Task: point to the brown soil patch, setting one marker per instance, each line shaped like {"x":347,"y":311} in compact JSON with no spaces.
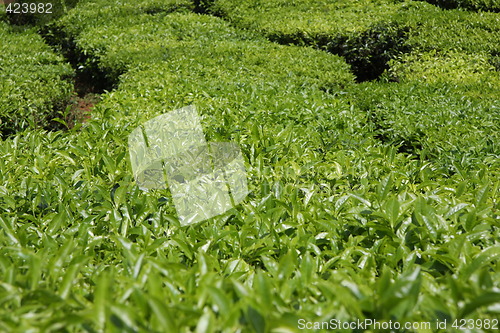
{"x":80,"y":109}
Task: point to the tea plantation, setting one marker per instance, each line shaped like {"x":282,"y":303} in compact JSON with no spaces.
{"x":370,"y":132}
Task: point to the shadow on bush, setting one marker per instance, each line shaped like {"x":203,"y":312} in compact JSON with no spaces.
{"x":89,"y":77}
{"x":474,"y":5}
{"x":369,"y":53}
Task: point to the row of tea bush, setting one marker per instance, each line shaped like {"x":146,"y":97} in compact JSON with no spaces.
{"x":35,"y":82}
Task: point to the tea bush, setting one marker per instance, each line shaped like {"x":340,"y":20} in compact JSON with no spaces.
{"x":318,"y":23}
{"x":433,"y":28}
{"x":125,"y":42}
{"x":359,"y":31}
{"x":34,"y":81}
{"x":85,"y":249}
{"x":95,"y":13}
{"x":445,"y":107}
{"x":369,"y":33}
{"x":307,"y":22}
{"x":338,"y":223}
{"x":474,"y":72}
{"x":62,"y":34}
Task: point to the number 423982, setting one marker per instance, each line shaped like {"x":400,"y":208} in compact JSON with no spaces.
{"x":471,"y":324}
{"x":32,"y":8}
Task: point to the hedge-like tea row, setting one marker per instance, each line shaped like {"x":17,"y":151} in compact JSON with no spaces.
{"x":477,"y":5}
{"x":445,"y":108}
{"x":367,"y":33}
{"x":320,"y":24}
{"x":116,"y":39}
{"x":302,"y":21}
{"x":433,"y":28}
{"x":360,"y":31}
{"x":98,"y":13}
{"x":457,"y":68}
{"x":34,"y":81}
{"x":436,"y":122}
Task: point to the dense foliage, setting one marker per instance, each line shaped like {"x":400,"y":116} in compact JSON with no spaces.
{"x":376,"y":200}
{"x":367,"y":33}
{"x":483,"y":5}
{"x":33,"y":81}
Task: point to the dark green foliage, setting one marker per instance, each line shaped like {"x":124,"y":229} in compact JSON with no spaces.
{"x":204,"y":7}
{"x":495,"y":61}
{"x":477,"y":5}
{"x":369,"y":53}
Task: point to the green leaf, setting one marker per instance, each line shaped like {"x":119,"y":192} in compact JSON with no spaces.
{"x":384,"y":187}
{"x":220,"y":299}
{"x":392,"y":211}
{"x":307,"y":268}
{"x":482,"y":195}
{"x":455,"y":209}
{"x":286,"y":266}
{"x":263,"y":288}
{"x":363,"y":200}
{"x":480,"y":260}
{"x":205,"y":323}
{"x":101,"y":298}
{"x":257,"y":320}
{"x":68,"y":280}
{"x":8,"y":230}
{"x":163,"y":315}
{"x":483,"y":300}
